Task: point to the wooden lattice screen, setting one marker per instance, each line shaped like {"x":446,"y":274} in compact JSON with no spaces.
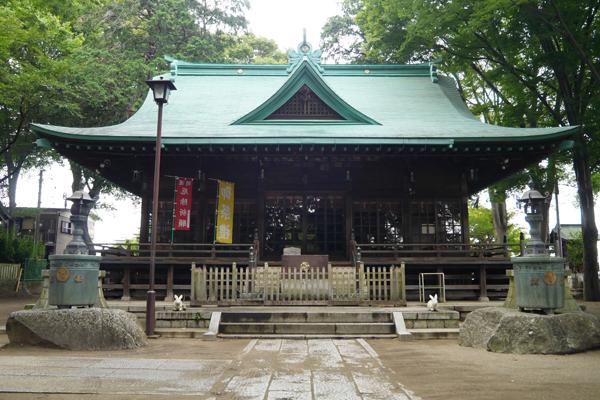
{"x":305,"y":104}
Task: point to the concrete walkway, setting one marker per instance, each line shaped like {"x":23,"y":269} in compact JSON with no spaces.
{"x":264,"y":369}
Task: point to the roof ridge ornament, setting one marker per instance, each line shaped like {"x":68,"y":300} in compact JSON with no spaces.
{"x":305,"y":51}
{"x":433,"y":69}
{"x":173,"y":67}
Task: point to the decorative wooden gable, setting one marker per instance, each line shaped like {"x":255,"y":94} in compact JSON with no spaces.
{"x":305,"y":97}
{"x":305,"y":104}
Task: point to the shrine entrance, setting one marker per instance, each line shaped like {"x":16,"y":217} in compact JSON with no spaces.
{"x":312,"y":222}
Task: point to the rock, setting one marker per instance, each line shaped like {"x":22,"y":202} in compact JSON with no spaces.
{"x":76,"y":329}
{"x":504,"y":330}
{"x":479,"y":326}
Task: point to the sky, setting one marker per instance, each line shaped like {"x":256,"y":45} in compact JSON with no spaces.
{"x":283,"y":21}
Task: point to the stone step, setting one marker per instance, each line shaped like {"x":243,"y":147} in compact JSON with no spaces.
{"x":186,"y":333}
{"x":306,"y":317}
{"x":331,"y":328}
{"x":304,"y":337}
{"x":432,"y":333}
{"x":2,"y":330}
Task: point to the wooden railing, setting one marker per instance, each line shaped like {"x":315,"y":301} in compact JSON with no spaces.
{"x":280,"y":286}
{"x":179,"y":252}
{"x":406,"y":252}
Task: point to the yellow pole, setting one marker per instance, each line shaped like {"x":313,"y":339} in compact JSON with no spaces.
{"x":19,"y":280}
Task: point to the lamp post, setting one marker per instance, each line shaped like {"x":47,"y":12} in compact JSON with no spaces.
{"x":160,"y":89}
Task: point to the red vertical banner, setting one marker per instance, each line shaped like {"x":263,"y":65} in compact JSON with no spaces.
{"x":183,"y":204}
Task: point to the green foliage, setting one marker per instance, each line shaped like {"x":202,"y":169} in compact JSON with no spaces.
{"x":133,"y":243}
{"x":517,"y":63}
{"x":251,"y":49}
{"x":15,"y":249}
{"x":481,"y":226}
{"x":35,"y":50}
{"x":341,"y":37}
{"x":574,"y":254}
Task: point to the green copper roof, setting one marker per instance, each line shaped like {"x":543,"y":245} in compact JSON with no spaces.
{"x":380,"y":104}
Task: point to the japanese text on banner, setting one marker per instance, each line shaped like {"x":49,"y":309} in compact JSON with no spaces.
{"x":224,"y":228}
{"x":183,"y":204}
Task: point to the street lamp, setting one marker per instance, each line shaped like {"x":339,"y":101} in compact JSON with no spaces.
{"x":161,"y":89}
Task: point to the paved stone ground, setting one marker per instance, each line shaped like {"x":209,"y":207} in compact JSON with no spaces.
{"x":279,"y":369}
{"x":264,"y":369}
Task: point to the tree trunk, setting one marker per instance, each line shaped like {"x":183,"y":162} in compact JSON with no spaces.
{"x":500,"y":219}
{"x":12,"y":192}
{"x":588,"y":224}
{"x":545,"y":229}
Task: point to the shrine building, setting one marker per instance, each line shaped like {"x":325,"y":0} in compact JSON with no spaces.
{"x":361,"y":163}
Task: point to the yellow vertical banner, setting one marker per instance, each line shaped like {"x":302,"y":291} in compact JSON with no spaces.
{"x":224,"y":227}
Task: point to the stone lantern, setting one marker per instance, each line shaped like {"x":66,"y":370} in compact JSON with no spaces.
{"x":539,"y":278}
{"x":74,"y":274}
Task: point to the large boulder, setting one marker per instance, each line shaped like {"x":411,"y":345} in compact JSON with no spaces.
{"x":504,"y":330}
{"x":76,"y":329}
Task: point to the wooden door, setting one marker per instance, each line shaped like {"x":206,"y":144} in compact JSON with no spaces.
{"x":313,"y":222}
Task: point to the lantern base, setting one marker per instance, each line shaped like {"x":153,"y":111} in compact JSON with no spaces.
{"x":539,"y":283}
{"x":73,"y":280}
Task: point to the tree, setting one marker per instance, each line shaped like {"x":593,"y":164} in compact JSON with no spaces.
{"x":124,"y":44}
{"x":536,"y":56}
{"x":481,"y":227}
{"x":341,"y":38}
{"x":575,"y":251}
{"x":35,"y":49}
{"x":251,"y":49}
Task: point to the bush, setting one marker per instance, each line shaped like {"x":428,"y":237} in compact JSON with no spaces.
{"x":14,"y":250}
{"x":575,"y":251}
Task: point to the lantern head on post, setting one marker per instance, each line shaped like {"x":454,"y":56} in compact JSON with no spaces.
{"x":161,"y":89}
{"x":533,"y":201}
{"x":82,"y":204}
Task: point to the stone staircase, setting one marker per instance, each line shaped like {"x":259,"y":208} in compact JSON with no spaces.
{"x":405,"y":323}
{"x":306,"y":323}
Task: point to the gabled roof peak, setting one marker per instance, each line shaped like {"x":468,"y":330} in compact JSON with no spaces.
{"x":305,"y":73}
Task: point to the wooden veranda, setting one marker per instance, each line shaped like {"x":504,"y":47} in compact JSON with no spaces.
{"x":228,"y":274}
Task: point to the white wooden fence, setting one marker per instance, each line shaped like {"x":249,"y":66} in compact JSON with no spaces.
{"x":10,"y":274}
{"x":266,"y":285}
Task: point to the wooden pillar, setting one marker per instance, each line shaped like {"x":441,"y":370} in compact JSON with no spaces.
{"x":200,"y":229}
{"x":483,"y":284}
{"x":464,"y":211}
{"x":126,"y":283}
{"x":170,"y":274}
{"x":260,"y":217}
{"x":145,"y":218}
{"x":348,"y":223}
